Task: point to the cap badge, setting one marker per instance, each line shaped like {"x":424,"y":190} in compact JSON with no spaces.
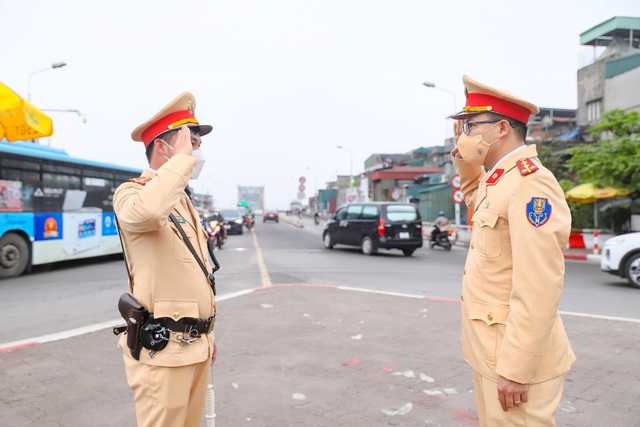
{"x":538,"y":211}
{"x":190,"y":107}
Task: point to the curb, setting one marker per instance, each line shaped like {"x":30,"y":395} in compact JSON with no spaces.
{"x":594,"y":258}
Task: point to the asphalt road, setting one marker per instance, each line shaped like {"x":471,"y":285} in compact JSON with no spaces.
{"x":75,"y":294}
{"x":320,"y":355}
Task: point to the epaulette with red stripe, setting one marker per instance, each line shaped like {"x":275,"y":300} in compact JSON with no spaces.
{"x":142,"y":180}
{"x":526,"y":166}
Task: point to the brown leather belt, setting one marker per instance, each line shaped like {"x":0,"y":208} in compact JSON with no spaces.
{"x":189,"y":325}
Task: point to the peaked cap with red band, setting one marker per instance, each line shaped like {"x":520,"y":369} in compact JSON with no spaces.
{"x":485,"y":99}
{"x":176,"y":113}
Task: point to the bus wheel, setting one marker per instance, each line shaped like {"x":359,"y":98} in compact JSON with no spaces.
{"x":14,"y":255}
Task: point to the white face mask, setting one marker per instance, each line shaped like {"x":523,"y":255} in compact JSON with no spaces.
{"x":200,"y":159}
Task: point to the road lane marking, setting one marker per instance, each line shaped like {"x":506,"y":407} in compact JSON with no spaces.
{"x":264,"y":273}
{"x":29,"y":342}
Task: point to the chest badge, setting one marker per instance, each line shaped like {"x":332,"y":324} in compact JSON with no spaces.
{"x":538,"y":211}
{"x":181,"y":219}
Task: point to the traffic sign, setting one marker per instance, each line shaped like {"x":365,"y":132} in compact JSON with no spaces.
{"x":457,"y":196}
{"x":302,"y":180}
{"x":455,"y":181}
{"x":301,"y":188}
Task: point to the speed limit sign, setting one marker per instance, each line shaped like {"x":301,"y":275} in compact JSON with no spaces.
{"x":457,"y":196}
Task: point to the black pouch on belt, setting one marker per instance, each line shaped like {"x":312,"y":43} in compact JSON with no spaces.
{"x":135,"y":315}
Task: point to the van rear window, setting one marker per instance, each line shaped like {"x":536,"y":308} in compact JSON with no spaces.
{"x":402,"y":213}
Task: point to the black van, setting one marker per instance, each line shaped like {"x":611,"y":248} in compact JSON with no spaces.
{"x":375,"y":225}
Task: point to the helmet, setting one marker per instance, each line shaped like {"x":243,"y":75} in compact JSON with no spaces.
{"x":441,"y":213}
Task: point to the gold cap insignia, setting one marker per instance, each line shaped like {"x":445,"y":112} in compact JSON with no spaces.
{"x":190,"y":107}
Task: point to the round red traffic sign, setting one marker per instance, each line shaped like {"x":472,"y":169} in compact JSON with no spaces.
{"x":457,"y":196}
{"x":301,"y":188}
{"x":455,"y":181}
{"x":302,"y":180}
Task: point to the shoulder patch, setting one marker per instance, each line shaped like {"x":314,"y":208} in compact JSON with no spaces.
{"x":526,"y":166}
{"x":538,"y":211}
{"x":142,"y":180}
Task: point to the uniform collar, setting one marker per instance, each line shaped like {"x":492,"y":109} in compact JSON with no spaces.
{"x":504,"y":158}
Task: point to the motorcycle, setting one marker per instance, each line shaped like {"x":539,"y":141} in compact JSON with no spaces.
{"x":316,"y":218}
{"x":249,"y":222}
{"x":440,"y":238}
{"x":216,"y":232}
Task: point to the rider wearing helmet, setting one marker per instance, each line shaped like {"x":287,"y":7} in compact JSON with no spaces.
{"x":440,"y":222}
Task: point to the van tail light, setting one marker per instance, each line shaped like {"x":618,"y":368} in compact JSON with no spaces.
{"x":381,"y":227}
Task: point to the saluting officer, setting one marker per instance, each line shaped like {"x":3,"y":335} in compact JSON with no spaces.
{"x":170,"y":385}
{"x":512,"y":334}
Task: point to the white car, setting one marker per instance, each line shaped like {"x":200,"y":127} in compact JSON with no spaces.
{"x":621,"y":257}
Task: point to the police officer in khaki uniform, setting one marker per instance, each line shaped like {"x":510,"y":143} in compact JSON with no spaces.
{"x":170,"y":385}
{"x":512,"y":334}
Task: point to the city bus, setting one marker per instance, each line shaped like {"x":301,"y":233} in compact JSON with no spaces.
{"x":54,"y":207}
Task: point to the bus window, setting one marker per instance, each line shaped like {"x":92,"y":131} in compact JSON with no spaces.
{"x":24,"y":183}
{"x":99,"y":193}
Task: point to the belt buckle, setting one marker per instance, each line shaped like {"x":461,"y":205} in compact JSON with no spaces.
{"x":212,"y":322}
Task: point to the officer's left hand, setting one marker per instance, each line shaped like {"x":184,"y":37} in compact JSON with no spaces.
{"x":215,"y":353}
{"x":511,"y":393}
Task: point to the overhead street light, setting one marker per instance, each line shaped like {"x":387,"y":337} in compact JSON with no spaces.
{"x":433,"y":85}
{"x":350,"y":153}
{"x":52,"y":67}
{"x":78,"y":112}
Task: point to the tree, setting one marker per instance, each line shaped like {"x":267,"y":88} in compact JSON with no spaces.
{"x":615,"y":158}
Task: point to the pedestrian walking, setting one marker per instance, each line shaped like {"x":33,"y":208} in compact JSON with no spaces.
{"x":512,"y":334}
{"x":168,"y":278}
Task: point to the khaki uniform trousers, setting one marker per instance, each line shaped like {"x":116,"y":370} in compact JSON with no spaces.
{"x":539,"y":411}
{"x":168,"y":396}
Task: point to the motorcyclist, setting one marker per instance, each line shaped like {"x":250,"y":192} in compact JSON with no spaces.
{"x":316,"y":217}
{"x":440,"y":222}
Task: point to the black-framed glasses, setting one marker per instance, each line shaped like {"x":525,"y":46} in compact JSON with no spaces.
{"x":466,"y":126}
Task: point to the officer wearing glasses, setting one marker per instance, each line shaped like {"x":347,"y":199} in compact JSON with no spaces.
{"x":512,"y":334}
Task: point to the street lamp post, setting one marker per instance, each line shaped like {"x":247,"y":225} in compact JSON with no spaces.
{"x":455,"y":110}
{"x":52,"y":67}
{"x":351,"y":156}
{"x":433,"y":85}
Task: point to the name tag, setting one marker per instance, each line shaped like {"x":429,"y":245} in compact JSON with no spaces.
{"x":181,"y":219}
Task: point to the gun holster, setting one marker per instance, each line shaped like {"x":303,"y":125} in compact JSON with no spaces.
{"x":135,"y":315}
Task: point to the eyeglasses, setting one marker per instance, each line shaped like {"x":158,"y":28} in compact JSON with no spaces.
{"x":466,"y":126}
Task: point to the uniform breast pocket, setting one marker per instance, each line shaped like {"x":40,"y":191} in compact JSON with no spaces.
{"x":180,"y":250}
{"x":487,"y":239}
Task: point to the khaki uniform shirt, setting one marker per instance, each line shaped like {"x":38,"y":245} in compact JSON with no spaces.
{"x":167,"y":279}
{"x":513,"y":275}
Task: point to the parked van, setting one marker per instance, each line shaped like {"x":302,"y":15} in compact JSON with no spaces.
{"x":375,"y":225}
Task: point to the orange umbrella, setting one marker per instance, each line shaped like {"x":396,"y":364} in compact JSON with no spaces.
{"x":20,"y":119}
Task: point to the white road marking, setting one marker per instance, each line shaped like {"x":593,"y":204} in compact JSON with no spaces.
{"x":9,"y":346}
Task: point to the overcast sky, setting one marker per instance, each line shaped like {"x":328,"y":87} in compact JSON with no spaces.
{"x":284,"y":82}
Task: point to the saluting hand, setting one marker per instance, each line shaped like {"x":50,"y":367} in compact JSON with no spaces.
{"x":511,"y":393}
{"x":182,"y":143}
{"x":457,"y":130}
